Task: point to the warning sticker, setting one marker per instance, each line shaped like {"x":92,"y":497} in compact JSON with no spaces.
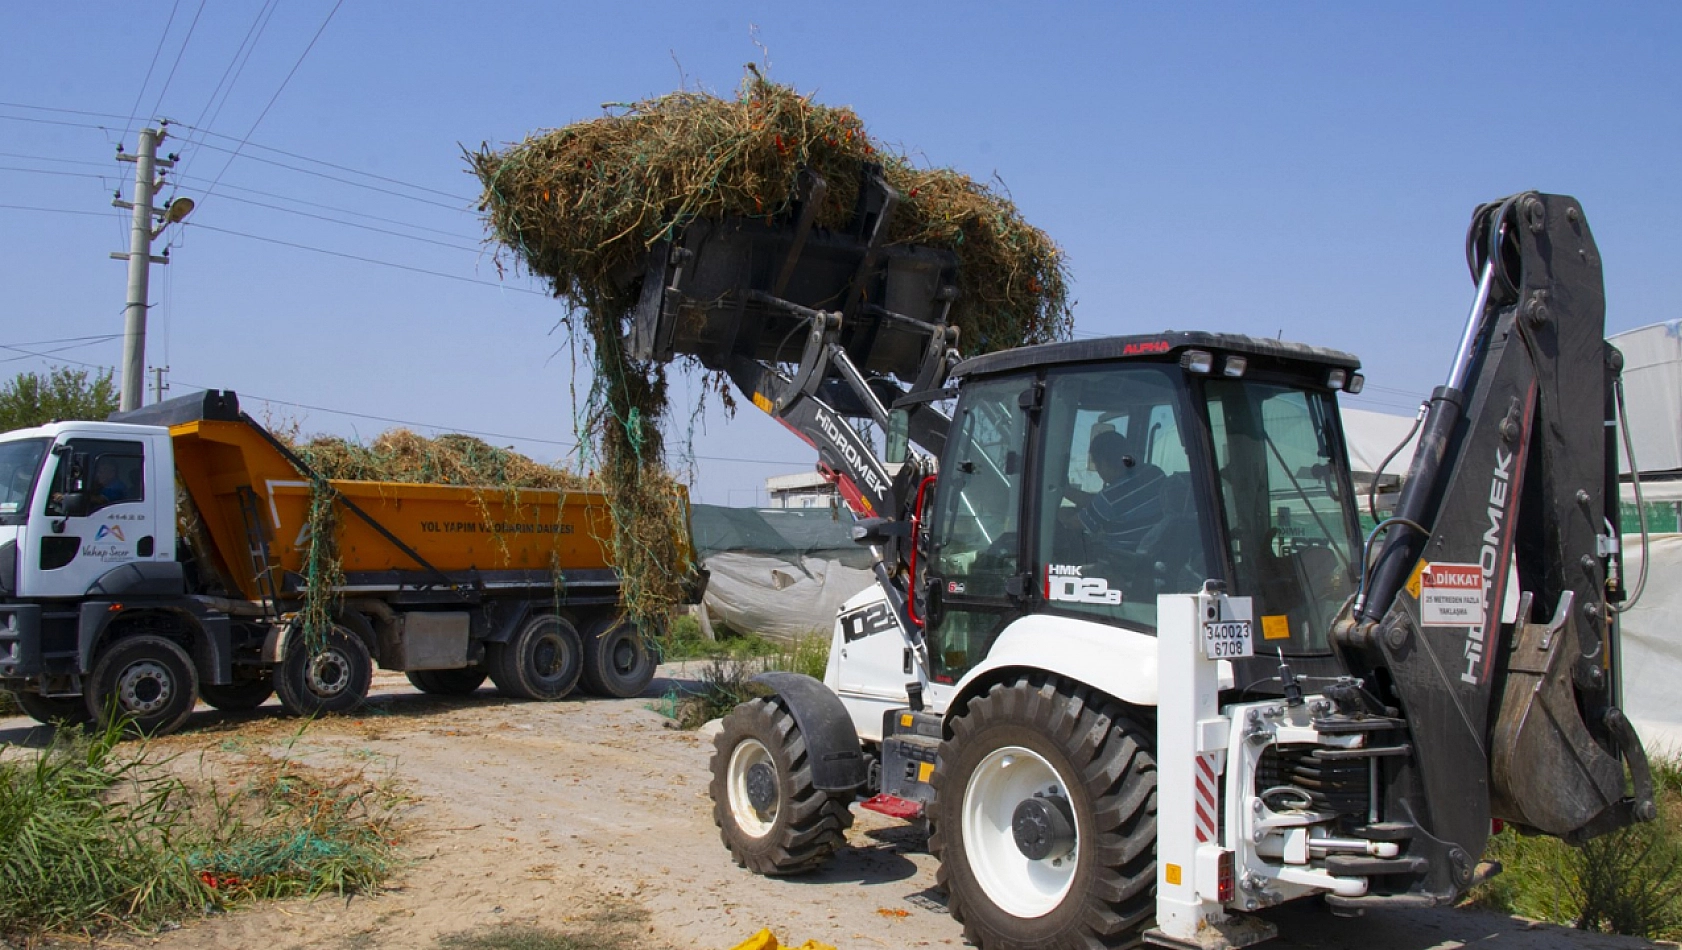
{"x":1451,"y":595}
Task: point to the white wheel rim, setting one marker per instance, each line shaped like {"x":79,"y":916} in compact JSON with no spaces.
{"x":1020,"y":886}
{"x":753,"y":822}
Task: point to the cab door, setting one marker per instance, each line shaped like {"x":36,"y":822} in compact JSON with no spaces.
{"x":99,"y":512}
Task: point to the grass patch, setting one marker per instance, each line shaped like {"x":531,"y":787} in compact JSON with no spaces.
{"x":8,"y":705}
{"x":97,"y":835}
{"x":613,"y":927}
{"x":1627,"y":882}
{"x":732,"y":664}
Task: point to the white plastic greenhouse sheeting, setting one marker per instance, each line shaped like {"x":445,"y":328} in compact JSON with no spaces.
{"x":772,"y":597}
{"x":1652,"y":645}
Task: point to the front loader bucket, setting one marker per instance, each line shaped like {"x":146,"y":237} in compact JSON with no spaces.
{"x":1548,"y":772}
{"x":722,"y":291}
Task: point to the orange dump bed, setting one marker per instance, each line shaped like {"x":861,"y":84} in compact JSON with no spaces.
{"x":231,"y":469}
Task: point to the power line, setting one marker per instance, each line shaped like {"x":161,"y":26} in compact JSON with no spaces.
{"x":317,"y":161}
{"x":325,"y":207}
{"x":342,"y":181}
{"x":253,"y":34}
{"x":96,"y":115}
{"x":178,"y":55}
{"x":141,"y":92}
{"x":370,"y":260}
{"x":350,"y":224}
{"x":276,"y":97}
{"x":73,"y":125}
{"x":91,"y":214}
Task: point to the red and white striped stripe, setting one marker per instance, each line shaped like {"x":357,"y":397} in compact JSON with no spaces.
{"x":1207,"y":799}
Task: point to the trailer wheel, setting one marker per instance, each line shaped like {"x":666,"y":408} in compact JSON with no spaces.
{"x":238,"y":696}
{"x":769,"y":815}
{"x":148,"y":680}
{"x":333,"y":679}
{"x":1046,"y":819}
{"x":618,"y":661}
{"x":53,"y":710}
{"x":446,"y":682}
{"x":543,"y":661}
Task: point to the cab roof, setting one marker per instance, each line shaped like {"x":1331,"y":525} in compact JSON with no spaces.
{"x":1160,"y":347}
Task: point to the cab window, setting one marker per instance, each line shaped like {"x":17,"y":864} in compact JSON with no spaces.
{"x":1119,"y":523}
{"x":104,"y":472}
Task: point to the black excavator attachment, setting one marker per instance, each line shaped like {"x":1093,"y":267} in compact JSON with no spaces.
{"x":1515,"y":477}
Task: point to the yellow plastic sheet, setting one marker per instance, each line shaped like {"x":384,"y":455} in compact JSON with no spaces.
{"x":766,"y":940}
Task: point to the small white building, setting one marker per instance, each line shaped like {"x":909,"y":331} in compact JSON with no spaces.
{"x":801,"y":490}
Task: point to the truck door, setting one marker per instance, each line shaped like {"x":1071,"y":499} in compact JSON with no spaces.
{"x":100,"y":512}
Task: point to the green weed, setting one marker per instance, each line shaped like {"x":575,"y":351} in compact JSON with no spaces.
{"x":613,"y":927}
{"x":1627,"y":882}
{"x":98,"y":834}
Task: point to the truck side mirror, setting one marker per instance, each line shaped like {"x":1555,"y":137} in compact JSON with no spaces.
{"x":77,"y":505}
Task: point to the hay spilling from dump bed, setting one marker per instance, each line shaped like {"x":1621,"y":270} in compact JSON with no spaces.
{"x":400,"y":455}
{"x":580,"y":206}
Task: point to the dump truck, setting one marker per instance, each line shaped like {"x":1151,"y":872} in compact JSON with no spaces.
{"x":1129,"y":652}
{"x":170,"y":554}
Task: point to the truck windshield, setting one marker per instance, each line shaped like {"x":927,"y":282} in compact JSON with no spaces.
{"x":1289,"y":512}
{"x":20,"y":462}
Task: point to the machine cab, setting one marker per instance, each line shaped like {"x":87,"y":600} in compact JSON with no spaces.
{"x":79,"y":500}
{"x":1085,"y":478}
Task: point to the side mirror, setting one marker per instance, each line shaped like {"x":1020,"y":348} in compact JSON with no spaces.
{"x":77,"y":505}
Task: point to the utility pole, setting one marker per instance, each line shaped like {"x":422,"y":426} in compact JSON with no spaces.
{"x":159,"y":387}
{"x":140,"y":257}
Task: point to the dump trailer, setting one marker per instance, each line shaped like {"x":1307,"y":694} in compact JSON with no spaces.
{"x":168,"y":555}
{"x":1129,"y":652}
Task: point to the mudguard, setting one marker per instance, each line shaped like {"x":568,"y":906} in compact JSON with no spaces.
{"x":831,"y":741}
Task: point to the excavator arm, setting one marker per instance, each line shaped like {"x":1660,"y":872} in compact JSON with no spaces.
{"x":1485,"y":614}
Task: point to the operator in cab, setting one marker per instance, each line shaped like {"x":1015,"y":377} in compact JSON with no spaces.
{"x":1119,"y":515}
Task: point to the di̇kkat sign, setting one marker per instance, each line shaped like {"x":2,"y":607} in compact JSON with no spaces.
{"x":1451,"y":595}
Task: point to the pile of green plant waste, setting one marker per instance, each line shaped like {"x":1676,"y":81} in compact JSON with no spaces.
{"x":400,"y":455}
{"x":580,"y":206}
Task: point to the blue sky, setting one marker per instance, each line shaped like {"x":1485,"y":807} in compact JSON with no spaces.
{"x":1304,"y":169}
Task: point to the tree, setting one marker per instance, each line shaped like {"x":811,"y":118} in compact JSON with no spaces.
{"x":33,"y":399}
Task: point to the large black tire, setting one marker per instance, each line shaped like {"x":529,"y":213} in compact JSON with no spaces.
{"x":53,"y":710}
{"x":145,"y":679}
{"x":334,"y":679}
{"x":769,"y":815}
{"x":1045,"y":824}
{"x":241,"y":695}
{"x":618,"y":661}
{"x":446,"y":682}
{"x":543,"y":661}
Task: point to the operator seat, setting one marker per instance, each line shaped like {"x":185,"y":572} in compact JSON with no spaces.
{"x":1176,"y":539}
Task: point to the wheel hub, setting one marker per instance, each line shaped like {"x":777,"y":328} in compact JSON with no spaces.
{"x":762,"y":786}
{"x":1043,"y":827}
{"x":328,"y":673}
{"x":144,"y":687}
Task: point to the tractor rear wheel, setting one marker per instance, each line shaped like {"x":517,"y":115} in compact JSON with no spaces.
{"x":769,"y":815}
{"x":446,"y":682}
{"x":1046,"y":819}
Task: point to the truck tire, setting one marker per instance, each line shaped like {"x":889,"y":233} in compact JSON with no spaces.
{"x":446,"y":682}
{"x":52,"y":710}
{"x":240,"y":695}
{"x":543,"y":661}
{"x":618,"y":662}
{"x":148,"y":680}
{"x":1045,"y":819}
{"x":334,"y":679}
{"x":768,"y":813}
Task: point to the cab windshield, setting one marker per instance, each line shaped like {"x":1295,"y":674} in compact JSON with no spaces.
{"x":20,"y":462}
{"x":1289,"y":516}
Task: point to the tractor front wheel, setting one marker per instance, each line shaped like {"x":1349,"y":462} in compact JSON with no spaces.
{"x":769,"y":814}
{"x":1045,"y":823}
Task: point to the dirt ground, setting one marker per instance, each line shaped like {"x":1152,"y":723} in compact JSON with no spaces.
{"x":541,"y":814}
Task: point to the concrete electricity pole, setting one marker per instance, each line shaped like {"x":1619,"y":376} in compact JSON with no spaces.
{"x":140,"y":257}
